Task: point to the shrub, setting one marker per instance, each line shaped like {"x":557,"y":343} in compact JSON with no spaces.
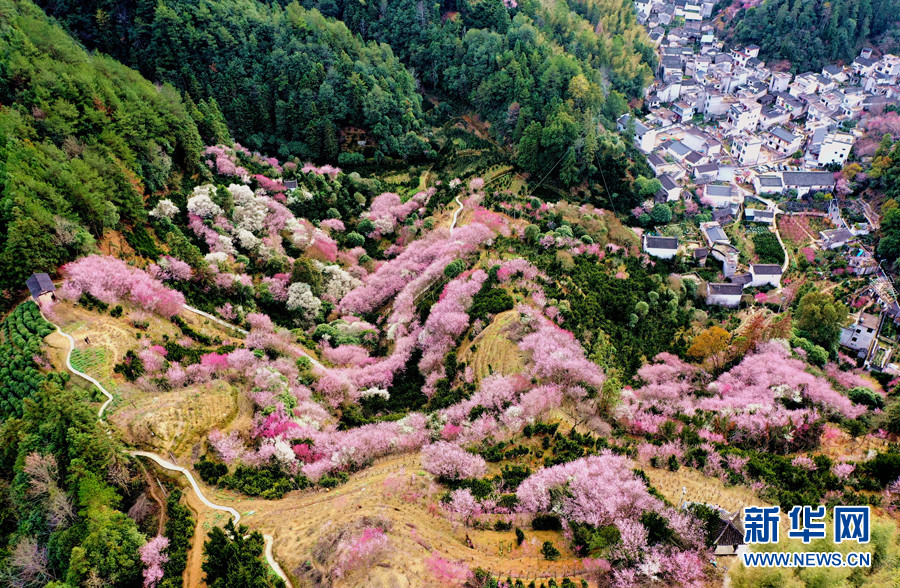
{"x":354,"y":239}
{"x":179,"y":530}
{"x":454,"y":268}
{"x":210,"y":471}
{"x":866,"y":396}
{"x":768,"y":250}
{"x":549,"y":551}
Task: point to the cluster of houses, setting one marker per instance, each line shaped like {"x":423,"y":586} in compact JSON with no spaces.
{"x":719,"y":117}
{"x":719,"y":247}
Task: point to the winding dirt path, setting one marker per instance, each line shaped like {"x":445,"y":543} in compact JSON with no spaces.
{"x":162,"y":462}
{"x":216,"y":320}
{"x":109,"y":397}
{"x":456,"y":213}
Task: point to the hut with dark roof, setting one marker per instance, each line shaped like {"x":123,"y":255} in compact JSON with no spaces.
{"x":41,"y":288}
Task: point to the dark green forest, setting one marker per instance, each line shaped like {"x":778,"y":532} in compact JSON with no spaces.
{"x":292,"y":82}
{"x":82,"y":140}
{"x":812,"y":34}
{"x":85,"y":141}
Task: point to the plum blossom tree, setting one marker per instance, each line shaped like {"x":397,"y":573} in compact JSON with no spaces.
{"x":112,"y":280}
{"x":463,"y":507}
{"x":843,"y":471}
{"x":170,"y":268}
{"x":302,"y":301}
{"x":419,"y":265}
{"x":28,"y":564}
{"x":201,"y":204}
{"x":557,"y":355}
{"x":447,"y":321}
{"x":451,"y":462}
{"x":361,"y":551}
{"x":447,"y":573}
{"x":751,"y":401}
{"x":599,"y":490}
{"x":165,"y":208}
{"x":154,"y":557}
{"x":337,"y":283}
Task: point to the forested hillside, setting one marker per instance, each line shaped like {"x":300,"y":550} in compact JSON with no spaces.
{"x":549,"y":78}
{"x":82,"y":139}
{"x":811,"y":34}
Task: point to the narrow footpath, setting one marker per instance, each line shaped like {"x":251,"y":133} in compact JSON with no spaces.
{"x":166,"y":464}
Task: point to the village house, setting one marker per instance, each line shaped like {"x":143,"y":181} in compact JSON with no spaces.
{"x":644,"y":135}
{"x":760,"y":216}
{"x":745,"y":149}
{"x":783,"y":141}
{"x":706,"y":173}
{"x":724,"y":294}
{"x":765,"y":274}
{"x":744,"y":115}
{"x":780,"y":81}
{"x":717,"y":195}
{"x":861,"y":332}
{"x":835,"y":148}
{"x":670,"y":190}
{"x":662,"y":247}
{"x":768,"y":184}
{"x":42,"y":289}
{"x":808,"y":181}
{"x":836,"y":238}
{"x":714,"y":234}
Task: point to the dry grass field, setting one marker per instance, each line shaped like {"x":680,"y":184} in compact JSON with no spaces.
{"x":491,"y":351}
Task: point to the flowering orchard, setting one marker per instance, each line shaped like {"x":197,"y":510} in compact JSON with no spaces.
{"x":357,"y":301}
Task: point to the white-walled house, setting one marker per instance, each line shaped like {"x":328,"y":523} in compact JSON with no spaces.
{"x":859,"y":335}
{"x":745,"y":149}
{"x":662,"y":247}
{"x":717,"y":195}
{"x":835,"y":148}
{"x":768,"y":184}
{"x":724,"y":294}
{"x":783,"y":141}
{"x":763,"y":274}
{"x":808,"y":181}
{"x":672,"y":189}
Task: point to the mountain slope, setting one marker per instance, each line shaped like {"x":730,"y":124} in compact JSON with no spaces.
{"x":82,"y":139}
{"x":813,"y":34}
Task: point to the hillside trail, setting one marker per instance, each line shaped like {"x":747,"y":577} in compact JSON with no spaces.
{"x":168,"y":465}
{"x":456,"y":213}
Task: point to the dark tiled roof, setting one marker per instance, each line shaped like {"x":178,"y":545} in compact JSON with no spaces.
{"x":716,"y":234}
{"x":39,"y":283}
{"x":728,"y":534}
{"x":784,"y":134}
{"x":723,"y":215}
{"x":701,"y":253}
{"x":761,"y":214}
{"x":770,"y":182}
{"x":725,"y":289}
{"x":741,"y":279}
{"x":837,"y":235}
{"x":693,"y":157}
{"x":661,"y":242}
{"x":290,"y":184}
{"x":766,"y":269}
{"x":667,"y":182}
{"x":808,"y":178}
{"x":718,"y":190}
{"x":654,"y":159}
